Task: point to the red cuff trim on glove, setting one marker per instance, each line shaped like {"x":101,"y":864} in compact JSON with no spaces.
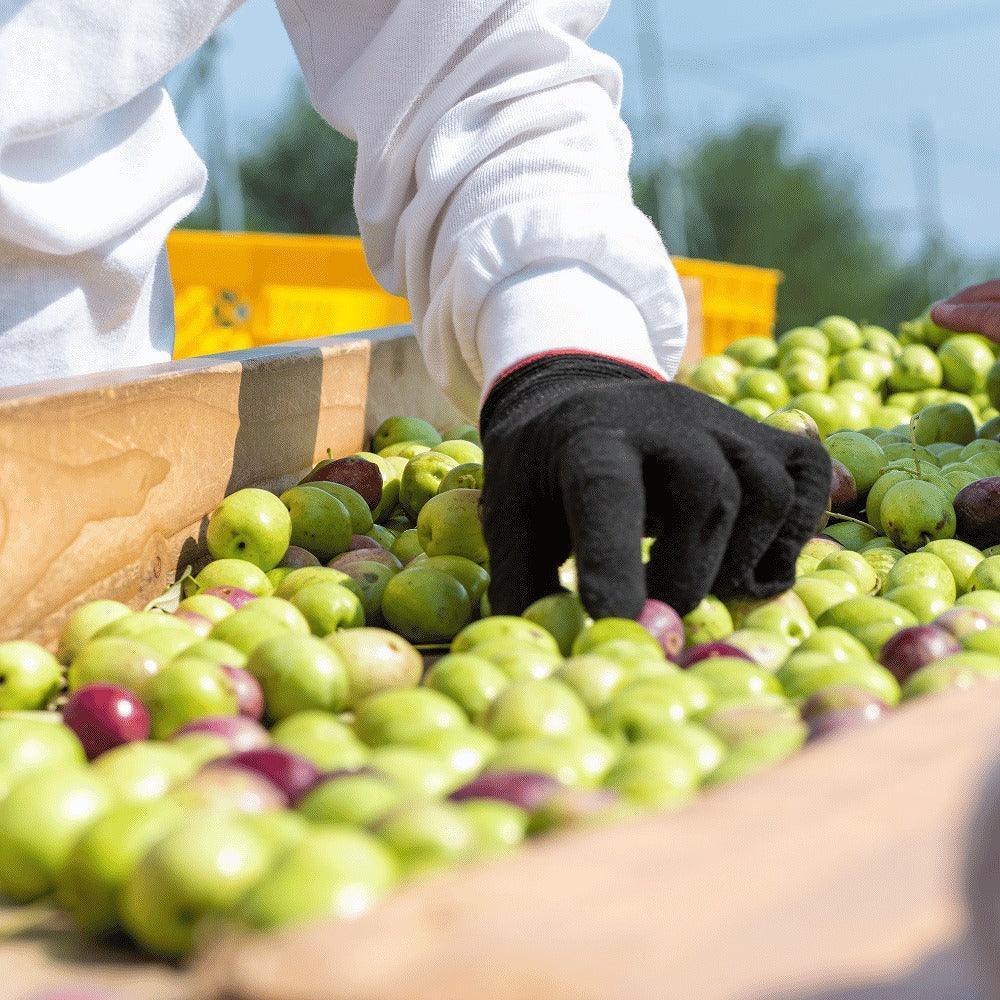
{"x":559,"y":352}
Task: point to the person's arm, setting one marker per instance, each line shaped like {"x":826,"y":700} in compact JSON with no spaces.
{"x":94,"y":172}
{"x":973,"y":310}
{"x":493,"y":191}
{"x":492,"y":186}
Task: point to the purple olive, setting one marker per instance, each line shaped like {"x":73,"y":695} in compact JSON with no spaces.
{"x":360,"y":542}
{"x":234,"y":596}
{"x":914,"y":647}
{"x":199,"y":623}
{"x":105,"y":716}
{"x":525,"y":789}
{"x":239,"y":731}
{"x":843,"y":698}
{"x":288,"y":772}
{"x":249,"y":694}
{"x":379,"y":555}
{"x":977,"y":513}
{"x":362,"y":476}
{"x":843,"y":491}
{"x":711,"y":651}
{"x":297,"y":557}
{"x":664,"y":625}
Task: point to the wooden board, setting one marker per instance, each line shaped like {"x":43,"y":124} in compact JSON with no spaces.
{"x":107,"y":479}
{"x":41,"y":951}
{"x":694,"y":349}
{"x":399,"y":383}
{"x":833,"y":877}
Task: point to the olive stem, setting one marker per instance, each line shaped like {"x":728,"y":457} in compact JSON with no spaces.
{"x":847,"y":517}
{"x":913,"y":444}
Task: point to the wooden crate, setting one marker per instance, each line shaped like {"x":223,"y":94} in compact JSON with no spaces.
{"x":833,"y":877}
{"x":236,"y":290}
{"x":107,"y":479}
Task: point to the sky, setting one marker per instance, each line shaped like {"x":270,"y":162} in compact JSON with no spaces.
{"x":854,"y":79}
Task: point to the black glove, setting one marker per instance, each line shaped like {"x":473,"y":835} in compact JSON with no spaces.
{"x":586,"y":454}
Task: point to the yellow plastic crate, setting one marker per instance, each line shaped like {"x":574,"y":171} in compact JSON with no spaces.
{"x":737,"y":301}
{"x":240,"y":290}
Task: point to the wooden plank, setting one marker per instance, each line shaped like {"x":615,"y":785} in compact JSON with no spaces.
{"x":694,"y":350}
{"x":833,"y":876}
{"x":41,"y":951}
{"x":399,"y":383}
{"x":107,"y":479}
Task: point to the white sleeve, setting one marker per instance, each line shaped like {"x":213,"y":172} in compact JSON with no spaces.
{"x":94,"y":172}
{"x":492,"y":184}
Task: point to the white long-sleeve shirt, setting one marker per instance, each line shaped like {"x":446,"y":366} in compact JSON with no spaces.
{"x":492,"y":184}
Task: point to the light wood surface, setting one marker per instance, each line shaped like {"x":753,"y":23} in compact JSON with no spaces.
{"x":398,"y":382}
{"x":107,"y":479}
{"x":41,"y":951}
{"x":694,"y":349}
{"x":833,"y":877}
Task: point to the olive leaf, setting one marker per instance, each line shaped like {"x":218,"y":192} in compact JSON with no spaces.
{"x":171,"y":597}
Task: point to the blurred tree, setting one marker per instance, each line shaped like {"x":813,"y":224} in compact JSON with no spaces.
{"x":301,"y":180}
{"x":752,"y":201}
{"x":749,"y":198}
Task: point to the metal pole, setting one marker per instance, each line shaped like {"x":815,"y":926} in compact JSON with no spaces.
{"x":653,"y":76}
{"x":226,"y":181}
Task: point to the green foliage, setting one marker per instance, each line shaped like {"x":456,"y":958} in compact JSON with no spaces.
{"x":750,"y":200}
{"x":301,"y":181}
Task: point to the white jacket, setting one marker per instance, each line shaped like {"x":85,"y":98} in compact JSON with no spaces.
{"x":492,"y":183}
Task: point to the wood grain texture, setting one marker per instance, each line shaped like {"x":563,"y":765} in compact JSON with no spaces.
{"x":41,"y":951}
{"x":833,"y":877}
{"x":107,"y":479}
{"x":399,"y":383}
{"x":694,"y":350}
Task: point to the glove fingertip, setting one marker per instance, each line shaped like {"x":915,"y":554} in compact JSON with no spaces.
{"x":611,"y":601}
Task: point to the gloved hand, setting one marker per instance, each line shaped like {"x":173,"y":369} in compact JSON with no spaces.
{"x":586,"y":454}
{"x":973,"y":310}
